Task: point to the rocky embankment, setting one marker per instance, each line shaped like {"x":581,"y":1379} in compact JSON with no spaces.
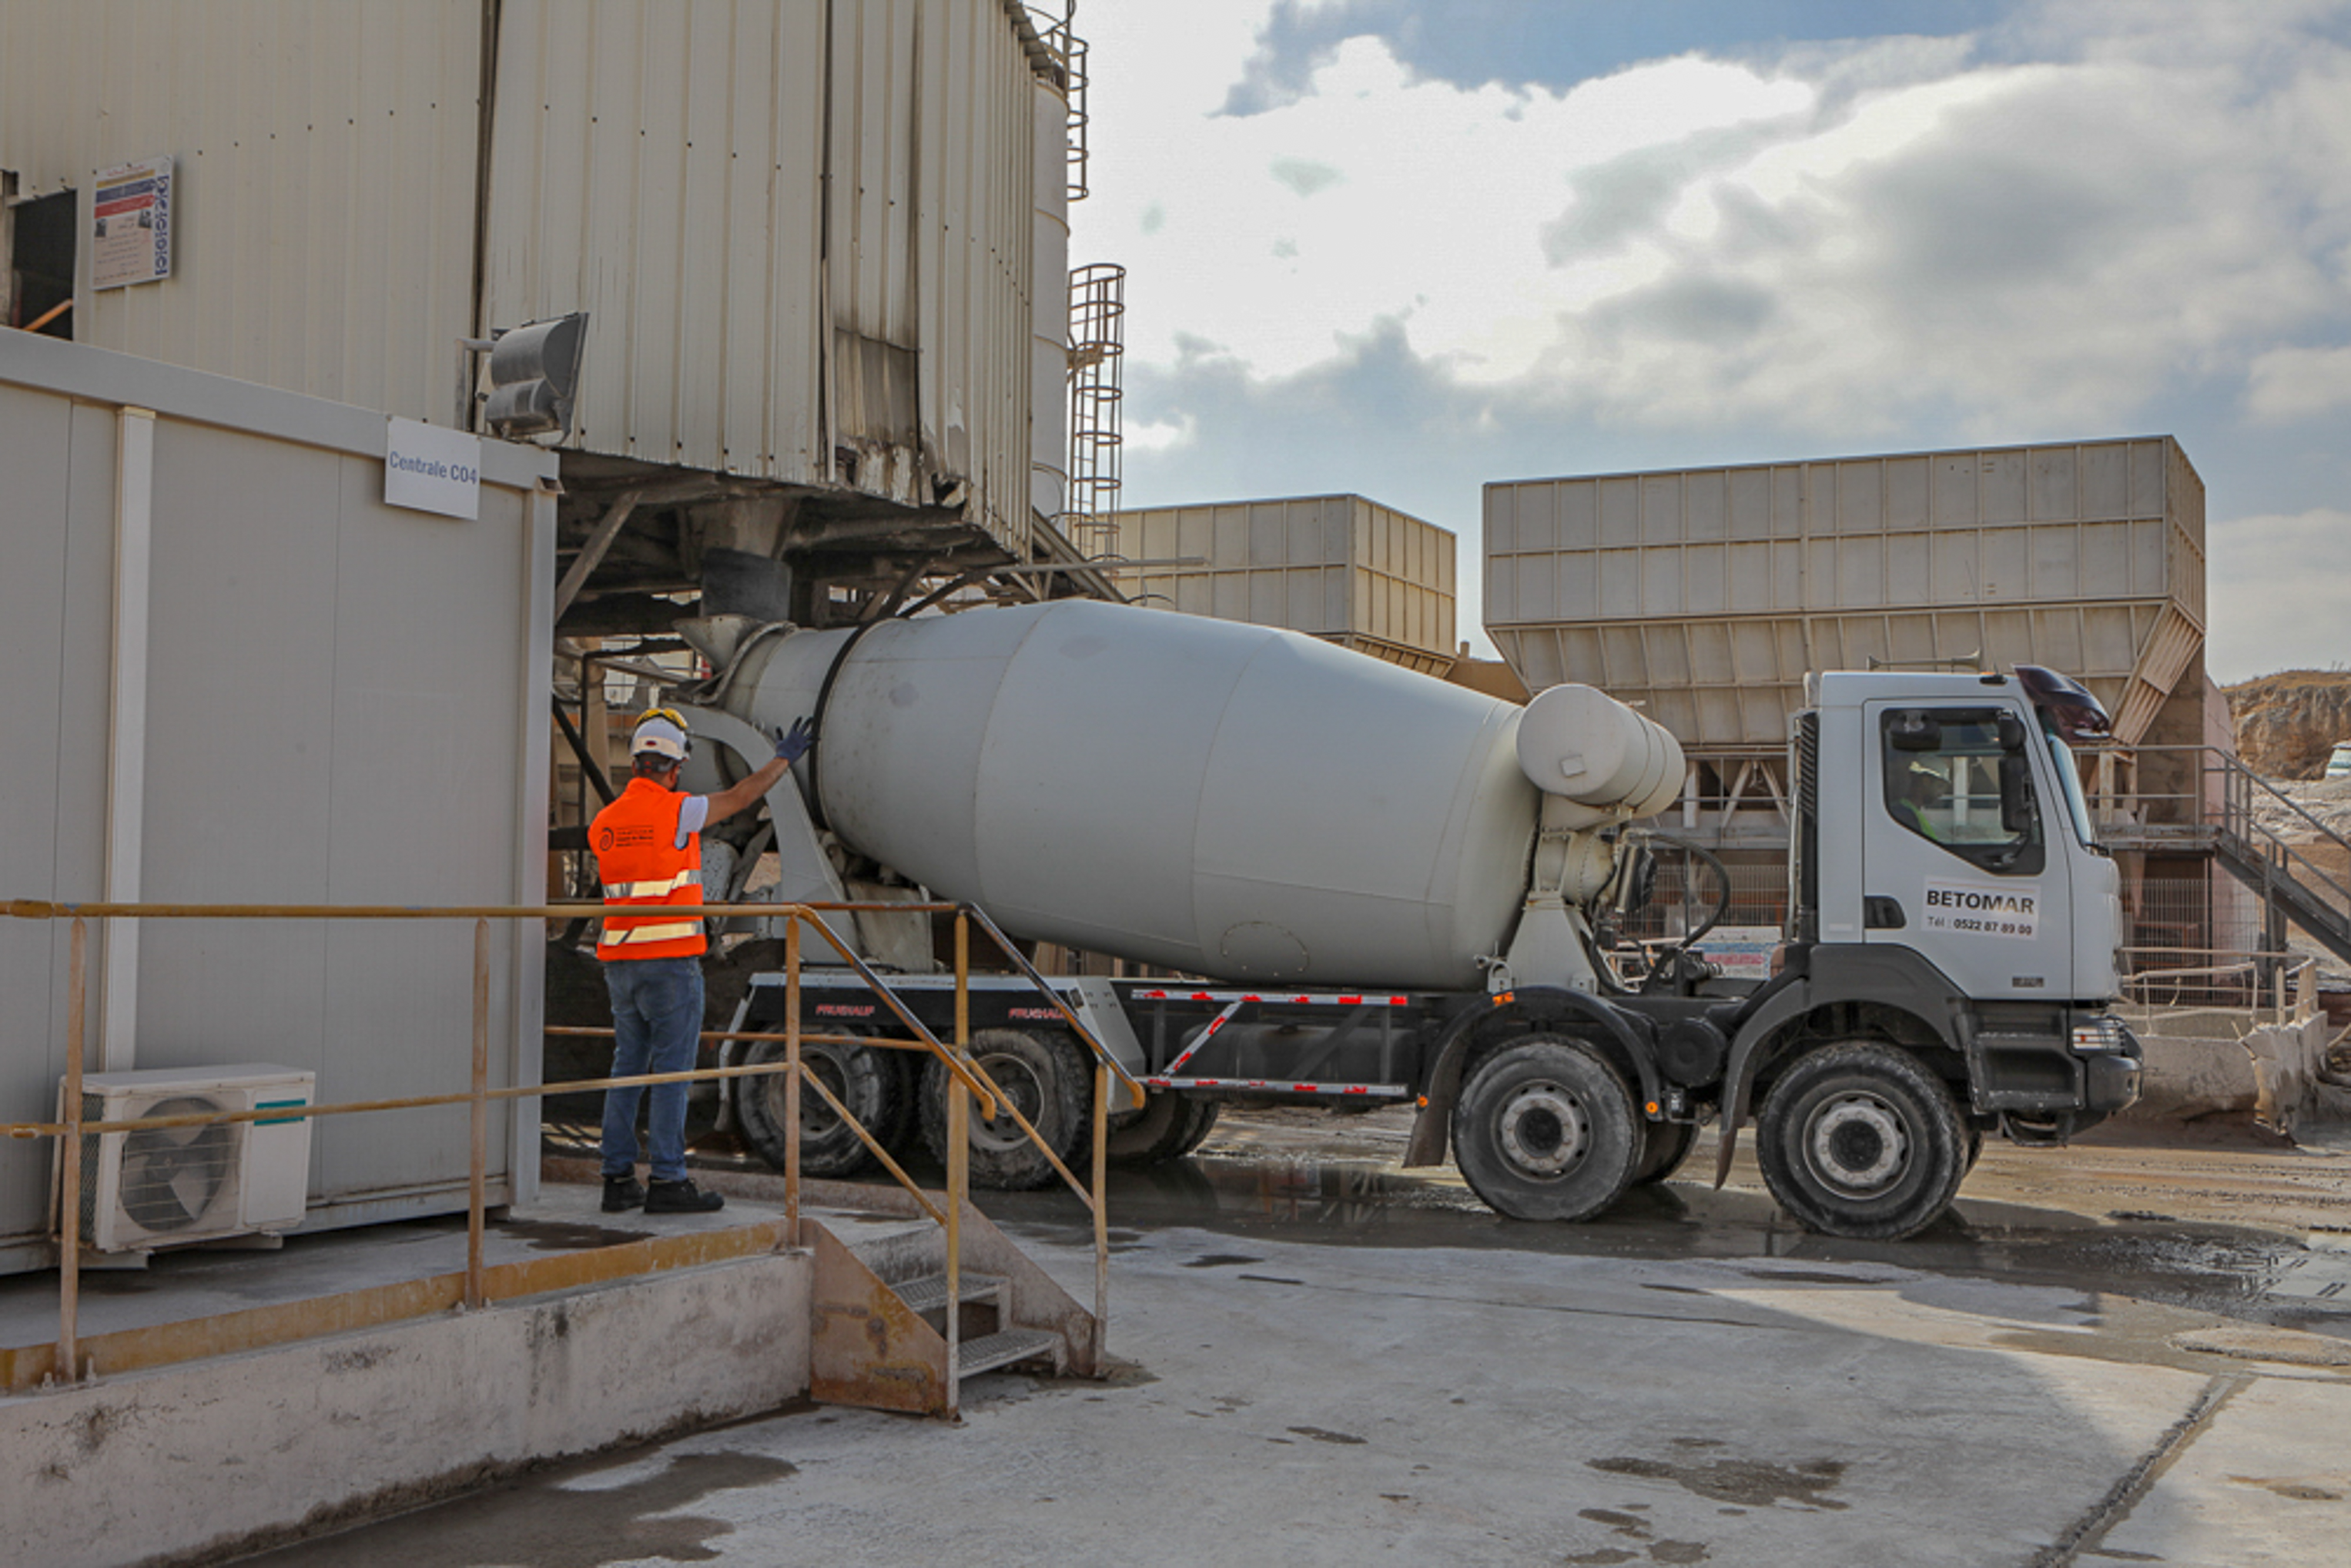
{"x":2287,"y":725}
{"x":2289,"y":722}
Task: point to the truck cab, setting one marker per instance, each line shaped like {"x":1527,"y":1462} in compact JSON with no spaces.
{"x":1952,"y":939}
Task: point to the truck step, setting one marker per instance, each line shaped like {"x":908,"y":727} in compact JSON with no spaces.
{"x":1286,"y":1086}
{"x":929,"y":1294}
{"x":989,"y":1352}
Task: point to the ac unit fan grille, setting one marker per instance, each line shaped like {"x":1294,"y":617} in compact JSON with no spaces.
{"x":172,"y":1180}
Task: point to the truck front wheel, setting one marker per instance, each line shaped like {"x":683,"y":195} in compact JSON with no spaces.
{"x":1545,"y":1130}
{"x":1862,"y":1140}
{"x":1047,"y":1076}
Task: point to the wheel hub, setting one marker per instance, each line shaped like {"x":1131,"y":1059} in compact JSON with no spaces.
{"x":1544,"y":1130}
{"x":1857,"y":1144}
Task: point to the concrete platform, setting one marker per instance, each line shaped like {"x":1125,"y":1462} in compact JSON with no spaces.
{"x":332,"y":1379}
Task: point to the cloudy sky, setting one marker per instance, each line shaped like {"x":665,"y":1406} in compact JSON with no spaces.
{"x":1406,"y":247}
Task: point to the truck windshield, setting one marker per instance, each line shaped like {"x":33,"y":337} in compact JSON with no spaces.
{"x":2069,"y":778}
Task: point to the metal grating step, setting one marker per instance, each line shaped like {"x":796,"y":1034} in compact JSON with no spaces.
{"x":991,"y":1351}
{"x":929,"y":1294}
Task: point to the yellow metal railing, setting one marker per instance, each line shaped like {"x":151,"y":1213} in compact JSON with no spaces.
{"x":969,"y":1079}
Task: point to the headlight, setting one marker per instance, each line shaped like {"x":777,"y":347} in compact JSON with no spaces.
{"x":2099,"y":1034}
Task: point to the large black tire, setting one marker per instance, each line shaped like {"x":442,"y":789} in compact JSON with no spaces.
{"x":1204,"y":1122}
{"x":1169,"y":1126}
{"x":868,"y":1082}
{"x":1047,"y":1075}
{"x":1862,"y":1140}
{"x":1545,"y":1129}
{"x":1669,"y":1145}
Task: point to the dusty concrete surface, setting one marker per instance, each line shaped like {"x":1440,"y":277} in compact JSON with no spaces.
{"x":2109,"y":1354}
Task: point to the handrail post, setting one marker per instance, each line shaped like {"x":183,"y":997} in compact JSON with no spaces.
{"x":69,"y":1353}
{"x":791,"y":1079}
{"x":479,"y":1114}
{"x":1102,"y":1210}
{"x":958,"y":1163}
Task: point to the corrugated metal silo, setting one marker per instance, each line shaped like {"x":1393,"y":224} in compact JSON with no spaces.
{"x":1346,"y":568}
{"x":775,"y":291}
{"x":1707,"y":593}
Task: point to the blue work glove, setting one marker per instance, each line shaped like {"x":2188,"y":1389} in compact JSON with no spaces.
{"x":791,"y":745}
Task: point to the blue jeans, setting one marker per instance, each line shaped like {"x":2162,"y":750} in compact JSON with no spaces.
{"x":657,"y":1027}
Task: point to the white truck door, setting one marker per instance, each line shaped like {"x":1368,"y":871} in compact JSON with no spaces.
{"x":1950,"y":868}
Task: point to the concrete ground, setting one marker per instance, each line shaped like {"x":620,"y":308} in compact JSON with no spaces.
{"x":2111,"y":1355}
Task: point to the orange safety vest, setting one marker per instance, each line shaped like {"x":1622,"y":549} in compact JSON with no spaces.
{"x":638,"y":860}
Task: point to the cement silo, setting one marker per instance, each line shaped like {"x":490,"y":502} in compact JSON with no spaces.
{"x":1341,"y":568}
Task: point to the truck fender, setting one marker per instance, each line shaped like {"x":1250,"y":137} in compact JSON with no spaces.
{"x":1531,"y":1005}
{"x":1893,"y":978}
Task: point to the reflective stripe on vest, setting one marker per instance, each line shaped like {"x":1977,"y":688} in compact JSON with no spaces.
{"x":642,"y":868}
{"x":638,"y":935}
{"x":614,"y":891}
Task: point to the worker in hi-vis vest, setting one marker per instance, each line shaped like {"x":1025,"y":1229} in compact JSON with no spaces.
{"x":648,"y":848}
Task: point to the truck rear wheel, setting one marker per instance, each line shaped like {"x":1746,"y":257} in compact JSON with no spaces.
{"x":1545,"y":1130}
{"x":1045,"y":1076}
{"x":1667,"y":1145}
{"x":871,"y":1083}
{"x":1862,"y":1140}
{"x":1169,"y":1126}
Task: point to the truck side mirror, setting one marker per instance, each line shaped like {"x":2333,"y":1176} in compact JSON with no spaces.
{"x":2011,"y":733}
{"x":2015,"y":794}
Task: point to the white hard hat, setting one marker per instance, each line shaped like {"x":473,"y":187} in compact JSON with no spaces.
{"x":659,"y":733}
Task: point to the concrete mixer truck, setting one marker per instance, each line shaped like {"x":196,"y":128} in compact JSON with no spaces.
{"x":1351,"y":884}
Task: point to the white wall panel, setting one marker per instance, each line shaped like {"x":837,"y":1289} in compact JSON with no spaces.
{"x":305,"y":741}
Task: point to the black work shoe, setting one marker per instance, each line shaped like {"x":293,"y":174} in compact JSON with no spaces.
{"x":680,"y":1197}
{"x":622,"y":1192}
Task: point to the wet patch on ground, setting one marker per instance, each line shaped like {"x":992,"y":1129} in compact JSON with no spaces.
{"x":1630,"y":1526}
{"x":1323,"y":1435}
{"x":573,"y":1522}
{"x":1752,"y":1483}
{"x":1293,"y":1178}
{"x":567,"y":1235}
{"x":2300,"y":1488}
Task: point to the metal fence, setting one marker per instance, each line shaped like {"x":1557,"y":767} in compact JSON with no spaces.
{"x":967,"y":1082}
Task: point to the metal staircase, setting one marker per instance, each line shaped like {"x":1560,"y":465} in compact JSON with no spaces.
{"x":883,"y":1336}
{"x":2224,"y":817}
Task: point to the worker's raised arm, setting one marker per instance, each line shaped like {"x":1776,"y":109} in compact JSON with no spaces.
{"x":790,"y":746}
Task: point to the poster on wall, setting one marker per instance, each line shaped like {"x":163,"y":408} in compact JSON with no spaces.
{"x":131,"y":240}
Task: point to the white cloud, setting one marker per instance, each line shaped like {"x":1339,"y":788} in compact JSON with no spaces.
{"x":1833,"y":245}
{"x":2289,"y":383}
{"x":2101,"y":215}
{"x":2276,"y":588}
{"x":1159,"y":435}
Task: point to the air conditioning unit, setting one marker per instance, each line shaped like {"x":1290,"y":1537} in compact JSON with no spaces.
{"x":167,"y":1186}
